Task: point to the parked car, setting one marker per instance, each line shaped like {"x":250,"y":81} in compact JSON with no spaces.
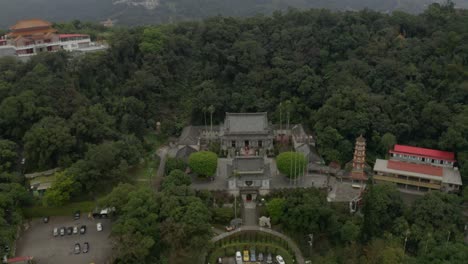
{"x":77,"y":249}
{"x":253,"y":256}
{"x":77,"y":215}
{"x":45,"y":219}
{"x":269,"y":259}
{"x":260,"y":256}
{"x":99,"y":227}
{"x":62,"y":231}
{"x":56,"y":232}
{"x":230,"y":228}
{"x":82,"y":229}
{"x":69,"y":230}
{"x":85,"y":247}
{"x":280,"y":259}
{"x":238,"y":257}
{"x":220,"y":261}
{"x":75,"y":230}
{"x":246,"y":255}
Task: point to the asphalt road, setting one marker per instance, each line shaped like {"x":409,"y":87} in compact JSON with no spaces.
{"x":38,"y":241}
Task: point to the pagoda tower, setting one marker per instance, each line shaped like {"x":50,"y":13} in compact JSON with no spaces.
{"x":359,"y":160}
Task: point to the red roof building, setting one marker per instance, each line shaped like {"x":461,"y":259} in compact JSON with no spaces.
{"x":419,"y":169}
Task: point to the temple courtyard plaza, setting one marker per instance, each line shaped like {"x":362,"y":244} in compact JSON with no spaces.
{"x":338,"y":191}
{"x":278,"y":181}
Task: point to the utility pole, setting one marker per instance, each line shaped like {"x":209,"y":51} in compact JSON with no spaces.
{"x":406,"y":239}
{"x":311,"y":242}
{"x":235,"y":206}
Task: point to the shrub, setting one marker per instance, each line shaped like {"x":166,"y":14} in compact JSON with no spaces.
{"x":203,"y":163}
{"x":174,"y":164}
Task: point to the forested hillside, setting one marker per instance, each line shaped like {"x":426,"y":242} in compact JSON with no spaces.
{"x":393,"y":78}
{"x":340,"y":74}
{"x":140,"y":12}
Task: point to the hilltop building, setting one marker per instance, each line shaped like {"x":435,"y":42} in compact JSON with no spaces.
{"x":30,"y":37}
{"x":419,"y":169}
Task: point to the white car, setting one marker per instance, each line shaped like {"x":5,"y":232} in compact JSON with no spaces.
{"x":280,"y":259}
{"x":75,"y":230}
{"x":238,"y":257}
{"x":56,"y":231}
{"x":99,"y":227}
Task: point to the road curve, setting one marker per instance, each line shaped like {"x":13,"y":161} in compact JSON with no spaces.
{"x":292,"y":245}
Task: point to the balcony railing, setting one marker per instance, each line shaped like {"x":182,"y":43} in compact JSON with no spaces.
{"x":408,"y":182}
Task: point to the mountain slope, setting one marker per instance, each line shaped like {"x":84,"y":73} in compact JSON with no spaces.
{"x":137,"y":12}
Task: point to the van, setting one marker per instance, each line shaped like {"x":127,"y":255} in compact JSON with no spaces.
{"x":238,"y":258}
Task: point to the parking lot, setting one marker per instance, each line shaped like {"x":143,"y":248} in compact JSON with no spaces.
{"x":38,"y":241}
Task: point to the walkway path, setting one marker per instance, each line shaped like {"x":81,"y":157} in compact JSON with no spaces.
{"x":162,"y":153}
{"x":292,"y":245}
{"x":250,"y":213}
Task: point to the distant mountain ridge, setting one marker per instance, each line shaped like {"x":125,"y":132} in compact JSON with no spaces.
{"x":139,"y":12}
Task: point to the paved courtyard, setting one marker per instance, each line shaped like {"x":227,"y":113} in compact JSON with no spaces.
{"x":38,"y":241}
{"x":278,"y":181}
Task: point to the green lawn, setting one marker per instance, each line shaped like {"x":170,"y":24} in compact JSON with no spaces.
{"x":66,"y":210}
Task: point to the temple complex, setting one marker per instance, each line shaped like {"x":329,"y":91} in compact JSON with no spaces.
{"x":30,"y":37}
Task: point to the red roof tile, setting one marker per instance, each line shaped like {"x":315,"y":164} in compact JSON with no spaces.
{"x":30,"y":23}
{"x":412,"y":167}
{"x":439,"y":154}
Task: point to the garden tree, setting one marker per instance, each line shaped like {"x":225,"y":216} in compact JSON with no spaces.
{"x":384,"y":251}
{"x":328,"y":141}
{"x":436,"y":213}
{"x":92,"y":125}
{"x":12,"y":196}
{"x":130,"y":149}
{"x":186,"y":230}
{"x":174,"y":164}
{"x":176,"y":178}
{"x":465,"y":195}
{"x":63,"y":188}
{"x":291,"y":164}
{"x":349,"y":232}
{"x":307,"y":211}
{"x":275,"y":208}
{"x":203,"y":163}
{"x":8,"y":154}
{"x":456,"y":135}
{"x":136,"y":230}
{"x":445,"y":253}
{"x":153,"y":40}
{"x":101,"y":165}
{"x":19,"y":112}
{"x":387,"y":141}
{"x":382,"y":204}
{"x":48,"y":143}
{"x":118,"y":198}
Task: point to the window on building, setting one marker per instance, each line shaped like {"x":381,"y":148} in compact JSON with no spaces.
{"x":233,"y":143}
{"x":260,"y":143}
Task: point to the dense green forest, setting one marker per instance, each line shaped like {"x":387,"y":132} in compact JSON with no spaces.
{"x":393,"y":78}
{"x":141,"y":12}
